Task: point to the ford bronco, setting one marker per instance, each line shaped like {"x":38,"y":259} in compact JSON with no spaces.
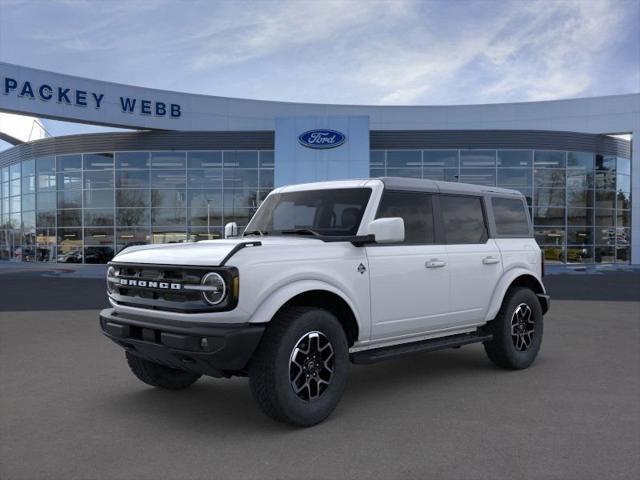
{"x":326,"y":275}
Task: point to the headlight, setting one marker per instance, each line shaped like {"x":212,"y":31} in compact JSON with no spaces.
{"x":215,"y":288}
{"x":111,"y":273}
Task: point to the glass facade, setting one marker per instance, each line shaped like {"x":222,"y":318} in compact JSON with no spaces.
{"x":580,"y":202}
{"x":84,"y":208}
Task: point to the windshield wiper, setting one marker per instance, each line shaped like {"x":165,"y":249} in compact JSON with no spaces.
{"x":301,"y":231}
{"x":254,"y":232}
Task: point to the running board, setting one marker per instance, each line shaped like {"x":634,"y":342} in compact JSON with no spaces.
{"x":386,"y":353}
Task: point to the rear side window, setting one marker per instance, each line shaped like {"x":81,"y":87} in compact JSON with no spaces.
{"x":511,"y":217}
{"x":415,"y":209}
{"x":463,"y":219}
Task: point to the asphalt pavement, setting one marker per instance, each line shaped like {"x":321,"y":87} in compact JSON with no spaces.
{"x":70,"y":409}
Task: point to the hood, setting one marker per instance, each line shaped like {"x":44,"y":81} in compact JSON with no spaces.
{"x":205,"y":253}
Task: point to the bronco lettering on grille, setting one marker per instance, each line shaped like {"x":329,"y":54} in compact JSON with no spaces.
{"x":144,"y":283}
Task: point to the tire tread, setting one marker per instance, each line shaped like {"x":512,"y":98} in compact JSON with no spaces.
{"x":498,"y":349}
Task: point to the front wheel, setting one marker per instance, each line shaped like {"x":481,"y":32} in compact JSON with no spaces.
{"x":299,"y":371}
{"x":517,"y":330}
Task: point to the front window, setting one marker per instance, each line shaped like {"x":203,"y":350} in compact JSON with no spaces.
{"x":331,"y":212}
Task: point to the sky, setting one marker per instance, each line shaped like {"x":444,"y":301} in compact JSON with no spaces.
{"x":396,"y":52}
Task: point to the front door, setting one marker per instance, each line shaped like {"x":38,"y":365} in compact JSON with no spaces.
{"x":409,"y":281}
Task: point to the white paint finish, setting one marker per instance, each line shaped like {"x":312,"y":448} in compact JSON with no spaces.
{"x":387,"y":230}
{"x":617,"y":113}
{"x":520,"y":252}
{"x":205,"y":253}
{"x":503,"y":285}
{"x":407,"y":297}
{"x":404,"y":293}
{"x":268,"y":273}
{"x":472,"y":280}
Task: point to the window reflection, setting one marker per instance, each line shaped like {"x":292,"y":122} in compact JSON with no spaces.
{"x":170,"y":198}
{"x":129,"y":237}
{"x":138,"y":160}
{"x":478,"y":176}
{"x":168,"y":160}
{"x":132,"y":216}
{"x":477,"y":158}
{"x":515,"y":158}
{"x":133,"y":198}
{"x":132,"y":179}
{"x":97,"y":161}
{"x":404,"y":158}
{"x":581,"y":205}
{"x":548,"y":216}
{"x":580,"y":236}
{"x":549,"y":159}
{"x":168,"y":179}
{"x":440,"y":159}
{"x":579,"y":254}
{"x":550,"y":236}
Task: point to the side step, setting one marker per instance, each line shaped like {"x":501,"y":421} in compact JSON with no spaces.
{"x":431,"y":345}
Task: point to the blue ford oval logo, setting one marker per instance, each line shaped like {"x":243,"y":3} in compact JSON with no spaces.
{"x":322,"y":138}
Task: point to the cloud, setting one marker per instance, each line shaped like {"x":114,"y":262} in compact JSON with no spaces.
{"x":554,"y":54}
{"x":292,"y":24}
{"x":338,"y":51}
{"x":533,"y":51}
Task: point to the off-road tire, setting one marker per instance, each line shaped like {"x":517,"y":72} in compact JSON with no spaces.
{"x":160,"y":376}
{"x":270,"y":368}
{"x":502,"y":349}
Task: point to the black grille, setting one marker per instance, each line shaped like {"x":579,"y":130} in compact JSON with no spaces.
{"x":157,"y":293}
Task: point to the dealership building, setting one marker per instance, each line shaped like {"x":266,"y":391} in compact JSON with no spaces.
{"x":192,"y":163}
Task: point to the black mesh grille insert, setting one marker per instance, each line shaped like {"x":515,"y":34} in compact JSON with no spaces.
{"x":166,"y":287}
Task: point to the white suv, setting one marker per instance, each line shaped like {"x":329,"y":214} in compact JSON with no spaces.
{"x":329,"y":274}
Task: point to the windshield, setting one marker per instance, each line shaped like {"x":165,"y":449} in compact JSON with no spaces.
{"x":334,"y":212}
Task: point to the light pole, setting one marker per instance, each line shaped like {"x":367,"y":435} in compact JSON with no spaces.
{"x":208,"y":219}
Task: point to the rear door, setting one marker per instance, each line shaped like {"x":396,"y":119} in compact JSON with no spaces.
{"x":475,"y":264}
{"x":410,"y":280}
{"x":514,"y":234}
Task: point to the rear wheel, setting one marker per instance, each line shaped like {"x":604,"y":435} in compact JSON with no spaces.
{"x":299,"y":372}
{"x":160,"y":376}
{"x":517,"y":330}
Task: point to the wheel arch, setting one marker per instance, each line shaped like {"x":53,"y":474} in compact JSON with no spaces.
{"x":515,"y":277}
{"x":313,"y":294}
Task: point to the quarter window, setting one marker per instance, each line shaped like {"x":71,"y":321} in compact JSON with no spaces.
{"x":415,"y":209}
{"x":511,"y":217}
{"x":463,"y":219}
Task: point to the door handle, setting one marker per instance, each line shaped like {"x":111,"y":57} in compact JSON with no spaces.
{"x":490,"y":260}
{"x":434,"y":263}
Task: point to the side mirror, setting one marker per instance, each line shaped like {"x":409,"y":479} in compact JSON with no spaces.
{"x":387,"y":230}
{"x":231,"y":230}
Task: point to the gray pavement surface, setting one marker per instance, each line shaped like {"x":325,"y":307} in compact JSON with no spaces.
{"x":70,"y":409}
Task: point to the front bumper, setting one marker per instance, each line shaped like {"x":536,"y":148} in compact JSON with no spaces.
{"x":210,"y":349}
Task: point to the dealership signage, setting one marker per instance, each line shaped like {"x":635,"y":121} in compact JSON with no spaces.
{"x":322,"y":138}
{"x":68,"y":95}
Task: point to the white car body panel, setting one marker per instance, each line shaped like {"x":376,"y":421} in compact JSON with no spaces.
{"x":472,"y":280}
{"x":397,"y":298}
{"x":407,"y":297}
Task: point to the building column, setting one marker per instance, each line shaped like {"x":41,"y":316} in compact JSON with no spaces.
{"x":635,"y":197}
